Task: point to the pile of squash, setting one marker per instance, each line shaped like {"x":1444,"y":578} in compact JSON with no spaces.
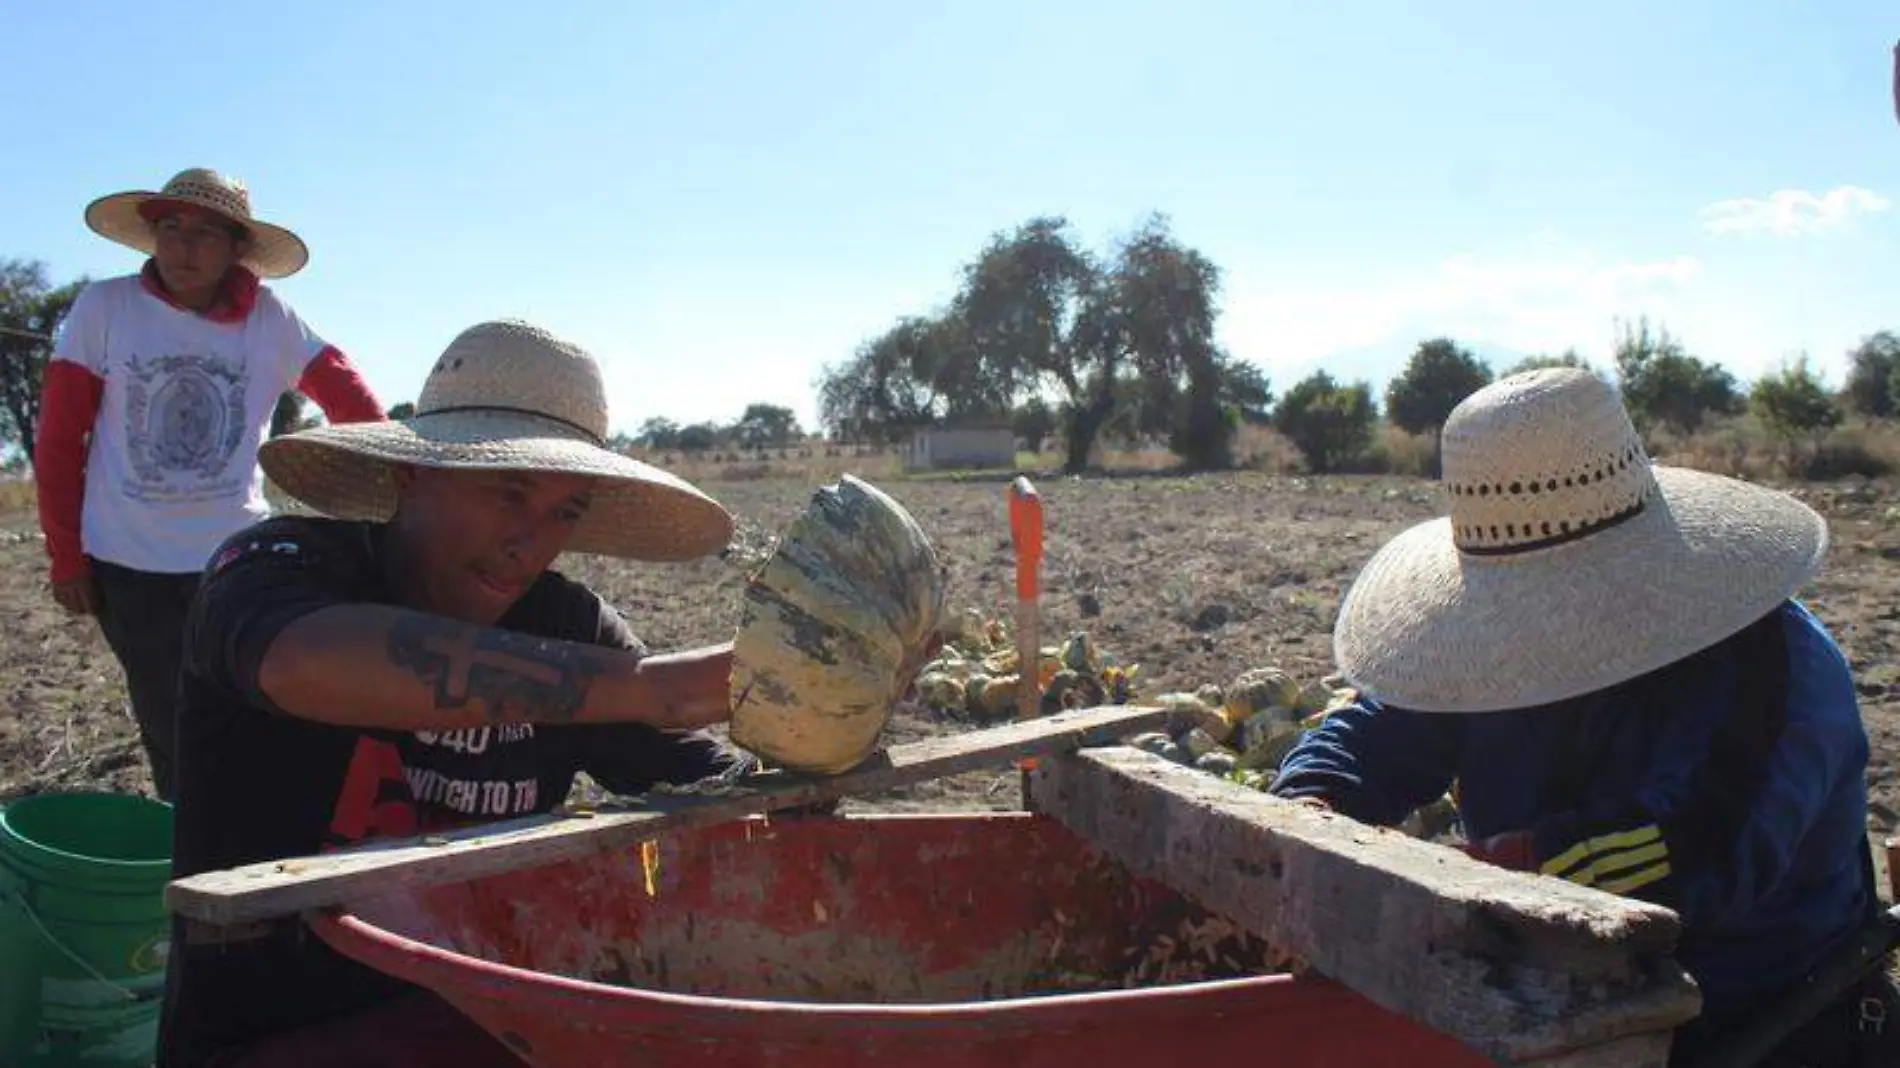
{"x":1239,"y":731}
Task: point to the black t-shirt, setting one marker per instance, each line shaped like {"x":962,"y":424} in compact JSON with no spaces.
{"x":257,"y":784}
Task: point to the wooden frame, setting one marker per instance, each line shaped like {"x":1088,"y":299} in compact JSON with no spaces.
{"x":1525,"y":969}
{"x":293,"y":885}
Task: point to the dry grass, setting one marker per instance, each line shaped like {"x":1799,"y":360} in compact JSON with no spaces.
{"x":1743,"y":448}
{"x":16,"y":496}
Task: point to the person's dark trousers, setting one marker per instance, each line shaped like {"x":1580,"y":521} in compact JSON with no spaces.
{"x":142,"y":614}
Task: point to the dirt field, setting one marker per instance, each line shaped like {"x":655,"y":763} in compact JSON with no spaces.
{"x":1193,"y":579}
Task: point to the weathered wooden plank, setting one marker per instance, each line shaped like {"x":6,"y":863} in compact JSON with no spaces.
{"x":286,"y":887}
{"x":1517,"y":966}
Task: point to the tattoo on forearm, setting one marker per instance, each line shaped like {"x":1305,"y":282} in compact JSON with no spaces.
{"x":511,"y":677}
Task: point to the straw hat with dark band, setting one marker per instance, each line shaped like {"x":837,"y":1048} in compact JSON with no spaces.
{"x":127,"y":218}
{"x":506,"y":395}
{"x":1569,"y":563}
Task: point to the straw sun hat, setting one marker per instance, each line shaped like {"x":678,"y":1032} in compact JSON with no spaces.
{"x":274,"y":253}
{"x":506,"y":395}
{"x":1569,"y":562}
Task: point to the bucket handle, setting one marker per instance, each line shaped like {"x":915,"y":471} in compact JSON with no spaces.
{"x":27,"y":909}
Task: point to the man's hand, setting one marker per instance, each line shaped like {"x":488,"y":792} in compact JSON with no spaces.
{"x":746,"y":764}
{"x":1514,"y":851}
{"x":78,"y":596}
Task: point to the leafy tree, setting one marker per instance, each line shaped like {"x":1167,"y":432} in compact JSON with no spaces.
{"x":658,"y":432}
{"x":889,"y":387}
{"x":30,"y":310}
{"x":1033,"y":422}
{"x":1439,"y":375}
{"x":1244,"y":388}
{"x":1331,"y":424}
{"x":765,"y":425}
{"x":1034,"y":314}
{"x":1664,"y":385}
{"x":1160,"y":298}
{"x":403,"y":410}
{"x":1021,"y":317}
{"x":697,"y":438}
{"x":1567,"y":358}
{"x":1872,"y":365}
{"x":1793,"y":404}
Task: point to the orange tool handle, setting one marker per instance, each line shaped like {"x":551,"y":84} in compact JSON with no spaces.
{"x":1025,"y":529}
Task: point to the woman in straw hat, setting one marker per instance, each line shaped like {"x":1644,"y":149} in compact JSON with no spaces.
{"x":409,"y":659}
{"x":173,"y":372}
{"x":1604,"y":656}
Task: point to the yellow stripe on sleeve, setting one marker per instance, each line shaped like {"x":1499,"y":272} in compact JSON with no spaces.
{"x":1580,"y":862}
{"x":1636,"y":880}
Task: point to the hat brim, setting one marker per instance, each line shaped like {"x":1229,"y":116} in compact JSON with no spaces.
{"x":1427,"y":628}
{"x":275,"y":252}
{"x":637,"y":512}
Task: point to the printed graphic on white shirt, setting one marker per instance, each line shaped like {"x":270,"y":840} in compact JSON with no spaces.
{"x":172,"y":468}
{"x":185,"y":419}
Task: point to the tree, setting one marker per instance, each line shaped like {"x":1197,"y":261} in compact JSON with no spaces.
{"x":1568,"y":358}
{"x":766,"y":425}
{"x":403,"y":410}
{"x":1439,"y":375}
{"x":1244,"y":388}
{"x":1161,"y":303}
{"x":1664,"y":385}
{"x":1329,"y":423}
{"x":697,"y":438}
{"x":31,"y":308}
{"x":1793,"y":404}
{"x":658,"y":432}
{"x":1871,"y":369}
{"x":1036,"y":314}
{"x":1033,"y":422}
{"x":889,"y":387}
{"x":1033,"y":304}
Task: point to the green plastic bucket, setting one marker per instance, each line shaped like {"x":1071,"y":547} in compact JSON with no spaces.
{"x":83,"y":929}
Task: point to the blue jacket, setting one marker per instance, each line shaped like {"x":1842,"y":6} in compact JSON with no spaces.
{"x":1729,"y":786}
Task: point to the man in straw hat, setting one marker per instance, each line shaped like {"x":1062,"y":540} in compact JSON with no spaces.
{"x":411,"y":651}
{"x":173,"y":373}
{"x":1605,"y":657}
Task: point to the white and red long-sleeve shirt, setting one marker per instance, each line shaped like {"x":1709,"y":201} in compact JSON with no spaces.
{"x":176,"y":403}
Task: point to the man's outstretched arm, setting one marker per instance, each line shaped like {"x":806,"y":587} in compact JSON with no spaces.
{"x":282,"y":621}
{"x":365,"y":665}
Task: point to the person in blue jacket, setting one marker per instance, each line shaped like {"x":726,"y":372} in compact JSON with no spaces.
{"x":1606,"y":658}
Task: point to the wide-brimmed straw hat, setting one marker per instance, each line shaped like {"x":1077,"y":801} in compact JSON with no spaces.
{"x":127,"y":218}
{"x":1569,"y":563}
{"x":506,"y":395}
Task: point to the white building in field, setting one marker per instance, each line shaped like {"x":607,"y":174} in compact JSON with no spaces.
{"x":950,"y":450}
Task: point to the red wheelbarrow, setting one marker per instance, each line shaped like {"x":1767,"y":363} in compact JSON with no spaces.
{"x":930,"y":941}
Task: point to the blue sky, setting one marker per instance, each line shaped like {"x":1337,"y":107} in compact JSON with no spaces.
{"x":718,"y":197}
